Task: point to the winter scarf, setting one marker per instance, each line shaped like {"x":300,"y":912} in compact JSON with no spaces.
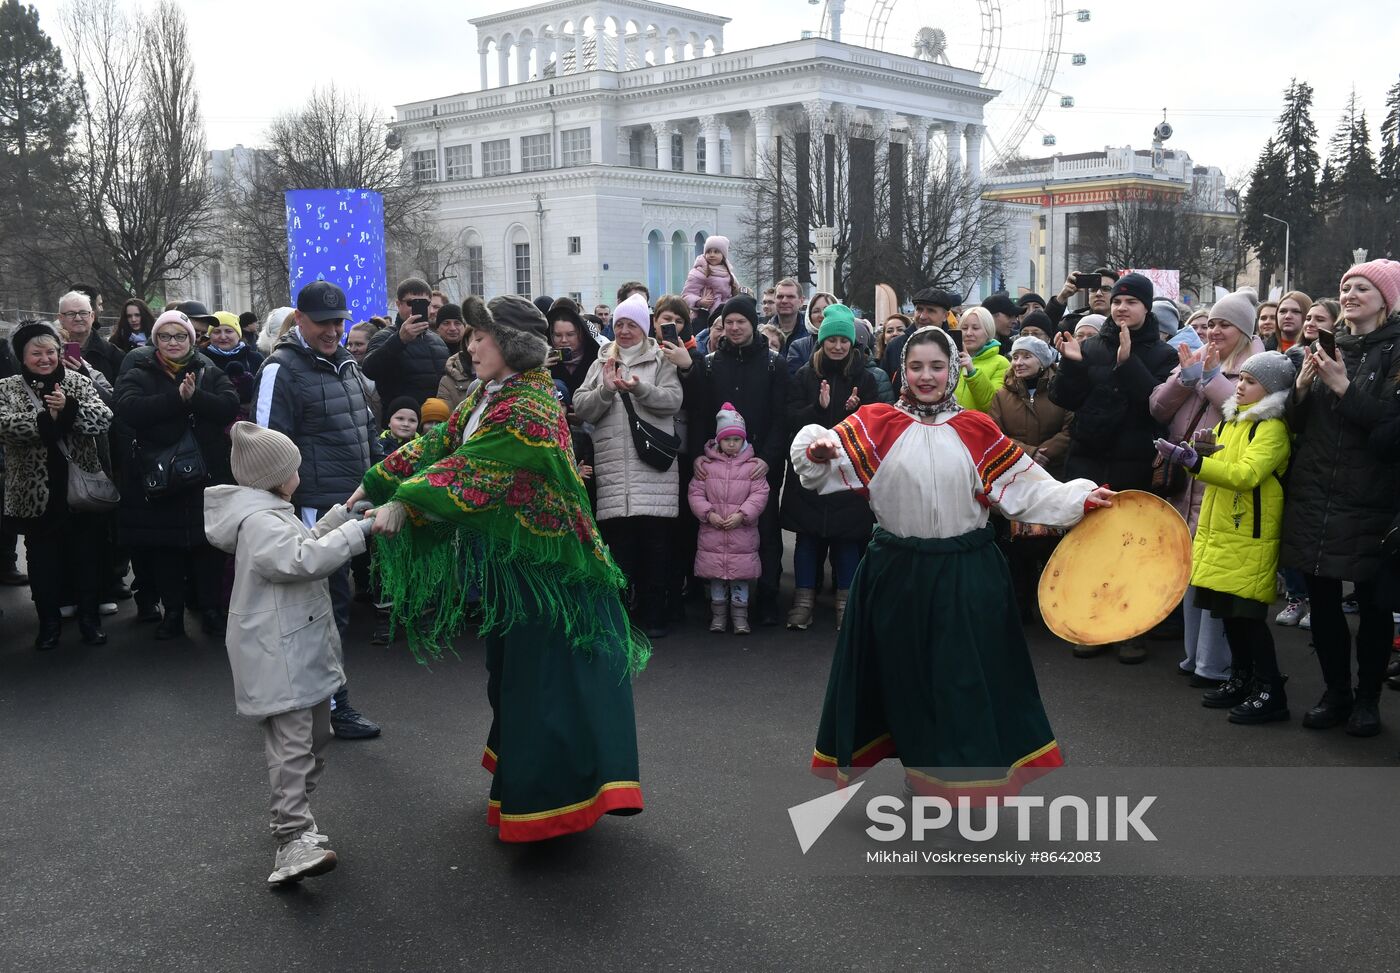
{"x":43,"y":384}
{"x":500,"y":512}
{"x":174,"y":366}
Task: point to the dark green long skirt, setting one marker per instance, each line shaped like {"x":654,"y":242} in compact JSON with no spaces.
{"x":563,"y":742}
{"x":932,"y":668}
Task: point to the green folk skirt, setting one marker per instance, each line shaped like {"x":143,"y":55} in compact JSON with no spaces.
{"x":562,"y":748}
{"x":932,"y":668}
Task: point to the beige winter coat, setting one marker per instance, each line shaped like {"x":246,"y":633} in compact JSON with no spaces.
{"x":282,"y":642}
{"x":457,"y":380}
{"x":627,"y":487}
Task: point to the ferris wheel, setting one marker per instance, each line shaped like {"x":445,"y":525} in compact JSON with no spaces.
{"x":1015,"y":45}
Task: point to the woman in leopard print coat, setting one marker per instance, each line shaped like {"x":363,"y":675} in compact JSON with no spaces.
{"x":56,"y":538}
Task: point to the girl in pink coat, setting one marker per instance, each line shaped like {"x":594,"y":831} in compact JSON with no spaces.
{"x":711,"y":281}
{"x":727,"y":498}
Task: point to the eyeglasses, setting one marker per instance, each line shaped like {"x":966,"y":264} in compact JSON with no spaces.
{"x":74,"y":314}
{"x":1100,"y":289}
{"x":173,"y":337}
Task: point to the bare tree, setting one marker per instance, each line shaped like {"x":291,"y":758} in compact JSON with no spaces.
{"x":337,"y":140}
{"x":142,"y":206}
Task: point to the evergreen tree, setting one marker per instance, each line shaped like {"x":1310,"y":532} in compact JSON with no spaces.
{"x":1284,"y":184}
{"x":38,"y":105}
{"x":1268,"y":185}
{"x":1389,"y":169}
{"x":1349,"y":193}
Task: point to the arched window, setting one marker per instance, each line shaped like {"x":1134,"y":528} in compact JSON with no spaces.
{"x":518,"y":262}
{"x":681,"y":260}
{"x":699,"y":244}
{"x":475,"y":257}
{"x":656,"y":263}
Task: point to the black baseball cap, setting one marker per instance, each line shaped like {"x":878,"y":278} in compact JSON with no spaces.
{"x":322,"y":301}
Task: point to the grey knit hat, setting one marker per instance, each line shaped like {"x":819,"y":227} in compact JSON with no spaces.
{"x":1271,"y":369}
{"x":263,"y":459}
{"x":1042,"y":352}
{"x":520,"y":330}
{"x":1235,"y":309}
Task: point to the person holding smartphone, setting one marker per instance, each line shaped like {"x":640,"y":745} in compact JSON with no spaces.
{"x":1096,"y":285}
{"x":408,"y":358}
{"x":572,"y":348}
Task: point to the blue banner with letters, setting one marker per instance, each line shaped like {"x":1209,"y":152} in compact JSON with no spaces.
{"x":338,"y":235}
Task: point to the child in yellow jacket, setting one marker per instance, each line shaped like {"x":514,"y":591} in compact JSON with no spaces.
{"x":1234,"y":557}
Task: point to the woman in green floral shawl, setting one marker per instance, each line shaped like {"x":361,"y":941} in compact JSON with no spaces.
{"x":491,"y":505}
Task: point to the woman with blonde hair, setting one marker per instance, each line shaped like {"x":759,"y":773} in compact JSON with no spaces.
{"x":982,"y":365}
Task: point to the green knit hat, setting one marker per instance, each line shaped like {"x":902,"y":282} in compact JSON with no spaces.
{"x":837,"y":322}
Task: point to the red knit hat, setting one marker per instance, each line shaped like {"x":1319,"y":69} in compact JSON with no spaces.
{"x":1385,"y":275}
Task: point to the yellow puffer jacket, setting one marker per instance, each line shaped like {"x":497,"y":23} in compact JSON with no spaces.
{"x":1237,"y":538}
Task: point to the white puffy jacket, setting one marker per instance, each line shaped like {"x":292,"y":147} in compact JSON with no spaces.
{"x":282,"y":641}
{"x":627,"y":487}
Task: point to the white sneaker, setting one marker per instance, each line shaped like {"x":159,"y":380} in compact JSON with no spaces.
{"x":1292,"y":613}
{"x":316,"y":837}
{"x":300,"y":858}
{"x":1306,"y":621}
{"x":68,"y":611}
{"x":107,"y":608}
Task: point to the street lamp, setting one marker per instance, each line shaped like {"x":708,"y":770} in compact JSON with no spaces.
{"x":1287,"y":235}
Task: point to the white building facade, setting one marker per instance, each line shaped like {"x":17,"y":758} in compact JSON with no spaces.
{"x":607,"y":141}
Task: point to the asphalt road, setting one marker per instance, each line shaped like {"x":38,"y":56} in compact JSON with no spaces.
{"x":133,"y":804}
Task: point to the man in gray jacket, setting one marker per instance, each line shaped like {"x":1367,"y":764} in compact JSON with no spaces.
{"x":310,"y":389}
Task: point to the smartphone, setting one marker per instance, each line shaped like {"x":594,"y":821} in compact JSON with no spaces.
{"x":1328,"y":341}
{"x":566,"y":353}
{"x":419,"y":307}
{"x":1086,"y":282}
{"x":73,"y":350}
{"x":957,"y":337}
{"x":668,"y":333}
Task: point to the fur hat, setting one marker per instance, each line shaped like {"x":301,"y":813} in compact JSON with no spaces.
{"x":1034,"y":346}
{"x":263,"y":459}
{"x":1235,"y":309}
{"x":1385,"y":275}
{"x":728,"y":422}
{"x":520,"y":330}
{"x":720,"y":243}
{"x":474,"y":313}
{"x":434,"y":410}
{"x":1271,"y":369}
{"x":1133,"y":285}
{"x":26,"y":333}
{"x":633,"y":309}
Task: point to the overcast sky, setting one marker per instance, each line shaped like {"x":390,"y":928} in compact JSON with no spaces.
{"x":1218,"y":66}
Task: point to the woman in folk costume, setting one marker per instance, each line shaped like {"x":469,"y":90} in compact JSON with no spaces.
{"x":491,"y":503}
{"x":923,"y":672}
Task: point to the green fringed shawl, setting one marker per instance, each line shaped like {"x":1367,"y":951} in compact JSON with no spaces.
{"x":503,"y":515}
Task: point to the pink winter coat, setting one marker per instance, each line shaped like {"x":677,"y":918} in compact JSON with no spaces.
{"x":728,"y":487}
{"x":720,"y":281}
{"x":1176,"y":405}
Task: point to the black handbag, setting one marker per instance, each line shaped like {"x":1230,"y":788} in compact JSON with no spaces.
{"x":169,"y":470}
{"x":657,"y":449}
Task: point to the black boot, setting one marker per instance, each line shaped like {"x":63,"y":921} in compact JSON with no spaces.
{"x":1231,"y":693}
{"x":1267,"y":703}
{"x":172,"y":626}
{"x":348,"y":723}
{"x":213,"y":621}
{"x":1365,"y":719}
{"x":147,"y":612}
{"x":50,"y":631}
{"x":90,"y":627}
{"x":1331,"y":710}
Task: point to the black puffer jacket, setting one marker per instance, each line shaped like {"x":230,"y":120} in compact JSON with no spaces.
{"x":154,"y":416}
{"x":320,"y":403}
{"x":1342,"y":490}
{"x":754,"y":379}
{"x":843,"y":516}
{"x":1112,"y":432}
{"x":412,"y":368}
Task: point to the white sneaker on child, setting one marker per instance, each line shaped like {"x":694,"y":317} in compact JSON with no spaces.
{"x":300,"y":858}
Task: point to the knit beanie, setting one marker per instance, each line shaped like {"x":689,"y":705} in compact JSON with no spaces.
{"x":228,"y":319}
{"x":543,"y":302}
{"x":449,"y":312}
{"x":1095,"y":321}
{"x":1133,"y":285}
{"x":634,"y":309}
{"x":1385,"y":275}
{"x":1271,"y":369}
{"x":838,"y":321}
{"x":1001,"y":304}
{"x":1236,"y":310}
{"x":401,"y":403}
{"x":741,"y":304}
{"x":179,"y":317}
{"x":1037,"y":319}
{"x":263,"y":459}
{"x":728,"y":422}
{"x":434,"y":410}
{"x":1030,"y":298}
{"x":1043,"y":352}
{"x":1168,"y":316}
{"x":720,"y":243}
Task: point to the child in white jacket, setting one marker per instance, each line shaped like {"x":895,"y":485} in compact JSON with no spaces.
{"x":282,"y":642}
